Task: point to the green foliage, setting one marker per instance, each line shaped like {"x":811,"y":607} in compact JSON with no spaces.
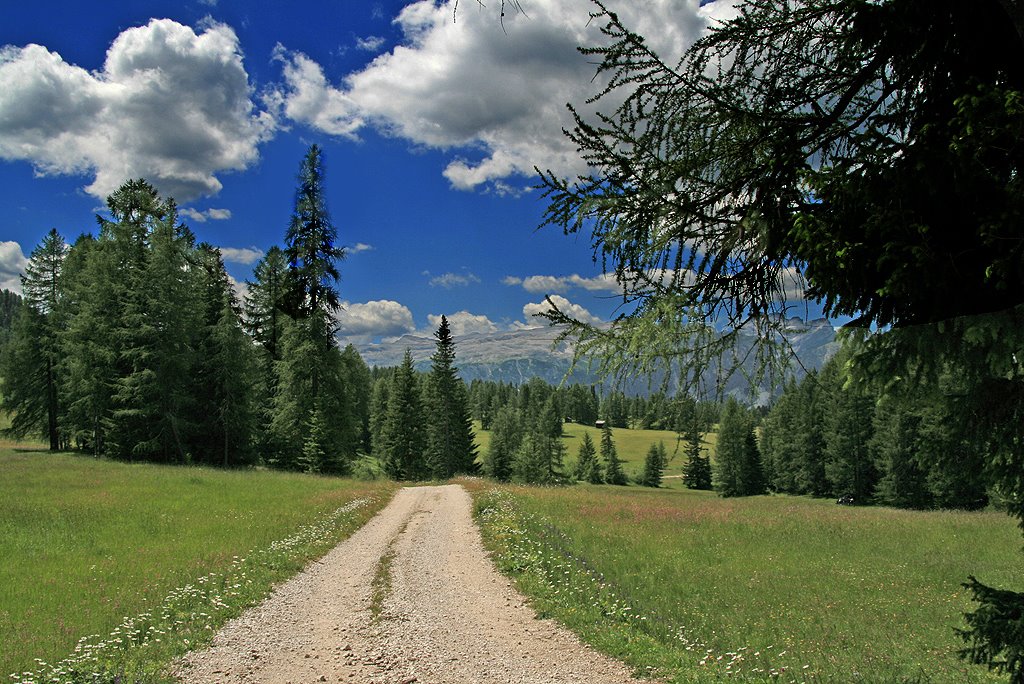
{"x":450,"y":446}
{"x":654,"y":466}
{"x":506,"y":438}
{"x":588,"y":468}
{"x":310,"y":245}
{"x":697,"y":471}
{"x":737,"y":469}
{"x":995,"y":631}
{"x":402,"y":434}
{"x":30,"y":367}
{"x":613,"y":473}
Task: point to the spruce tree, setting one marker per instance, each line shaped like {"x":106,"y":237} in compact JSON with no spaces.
{"x":451,"y":446}
{"x":731,"y":449}
{"x":402,"y":435}
{"x":311,"y":244}
{"x":588,"y":468}
{"x":506,"y":438}
{"x":613,"y":473}
{"x":751,"y":470}
{"x":697,"y":471}
{"x":654,"y":466}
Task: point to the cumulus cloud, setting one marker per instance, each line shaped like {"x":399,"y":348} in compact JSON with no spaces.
{"x":308,"y":98}
{"x":358,"y":247}
{"x":374,"y":319}
{"x":450,"y":280}
{"x":241,"y":255}
{"x":496,"y":88}
{"x":12,"y":265}
{"x":169,"y":104}
{"x":542,"y":284}
{"x":207,"y":215}
{"x":463,"y":323}
{"x":530,"y":311}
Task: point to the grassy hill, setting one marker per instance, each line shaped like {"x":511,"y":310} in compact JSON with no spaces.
{"x":88,"y":545}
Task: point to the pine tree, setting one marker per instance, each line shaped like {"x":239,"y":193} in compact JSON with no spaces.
{"x":506,"y":438}
{"x":847,"y":429}
{"x":588,"y":468}
{"x":402,"y":438}
{"x":378,"y":414}
{"x":752,"y":480}
{"x":88,"y":353}
{"x":31,"y":373}
{"x":359,"y":382}
{"x":731,"y":449}
{"x":311,"y":248}
{"x":654,"y":466}
{"x":613,"y":473}
{"x":451,"y":446}
{"x":697,"y":471}
{"x":902,"y":483}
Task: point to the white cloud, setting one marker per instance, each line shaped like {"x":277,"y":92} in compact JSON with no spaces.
{"x":496,"y":88}
{"x":542,"y":284}
{"x":169,"y":104}
{"x":450,"y":280}
{"x":241,"y":255}
{"x":358,"y":247}
{"x":240,"y":287}
{"x":463,"y":323}
{"x":12,"y":265}
{"x":370,"y":43}
{"x":374,"y":319}
{"x":310,"y":99}
{"x":530,"y":311}
{"x":207,"y":215}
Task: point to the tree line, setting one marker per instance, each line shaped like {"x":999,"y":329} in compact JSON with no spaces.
{"x":132,"y":345}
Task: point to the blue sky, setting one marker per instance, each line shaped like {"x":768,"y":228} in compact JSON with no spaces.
{"x":431,"y":123}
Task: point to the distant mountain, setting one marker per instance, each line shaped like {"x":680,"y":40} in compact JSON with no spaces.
{"x":516,"y":356}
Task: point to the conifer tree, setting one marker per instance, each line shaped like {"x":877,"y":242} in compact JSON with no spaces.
{"x":588,"y":468}
{"x":378,"y":413}
{"x":30,"y":371}
{"x":451,"y":446}
{"x":654,"y":466}
{"x":311,"y":244}
{"x":697,"y":471}
{"x":751,"y":470}
{"x":402,"y":436}
{"x":88,"y":353}
{"x":360,"y":385}
{"x":731,"y":450}
{"x":613,"y":473}
{"x":506,"y":438}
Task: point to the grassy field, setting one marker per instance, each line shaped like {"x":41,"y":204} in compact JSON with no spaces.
{"x":693,"y":588}
{"x":87,"y":545}
{"x":630,"y":445}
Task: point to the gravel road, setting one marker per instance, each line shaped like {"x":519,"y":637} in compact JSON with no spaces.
{"x":443,"y":614}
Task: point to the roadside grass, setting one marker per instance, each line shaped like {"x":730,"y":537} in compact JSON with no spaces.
{"x":155,"y":557}
{"x":688,"y":587}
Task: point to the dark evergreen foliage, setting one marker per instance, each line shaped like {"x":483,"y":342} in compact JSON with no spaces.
{"x":613,"y":473}
{"x":588,"y":468}
{"x":450,"y":443}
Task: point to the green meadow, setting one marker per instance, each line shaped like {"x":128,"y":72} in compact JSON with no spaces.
{"x":688,"y":587}
{"x":86,"y":543}
{"x":630,"y":445}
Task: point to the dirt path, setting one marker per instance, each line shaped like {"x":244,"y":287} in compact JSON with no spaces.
{"x":440,"y":613}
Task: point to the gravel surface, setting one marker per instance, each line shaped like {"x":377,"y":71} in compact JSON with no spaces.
{"x":443,"y":614}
